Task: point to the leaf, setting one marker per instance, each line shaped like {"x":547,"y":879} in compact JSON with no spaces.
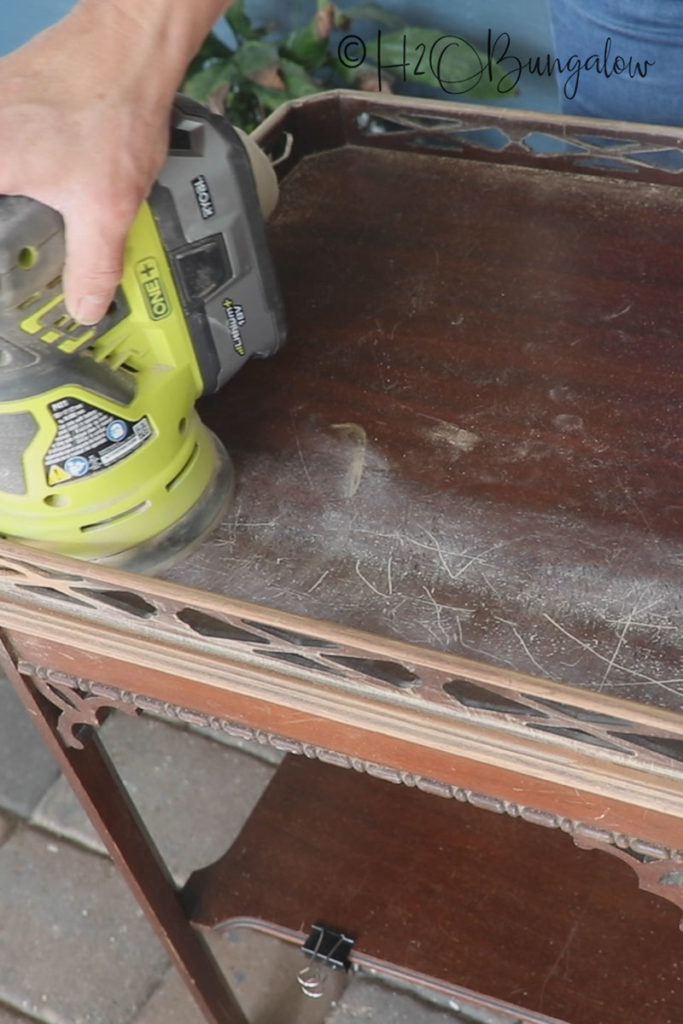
{"x":271,"y":76}
{"x":202,"y":84}
{"x":269,"y":99}
{"x":297,"y":81}
{"x":211,"y":48}
{"x":243,"y":107}
{"x":443,"y":61}
{"x":255,"y":57}
{"x":303,"y":46}
{"x":240,"y":22}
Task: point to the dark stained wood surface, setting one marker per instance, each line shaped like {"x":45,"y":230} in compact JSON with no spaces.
{"x":494,"y":904}
{"x":473,"y":439}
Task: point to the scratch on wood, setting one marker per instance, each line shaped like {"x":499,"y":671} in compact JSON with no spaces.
{"x":301,"y":456}
{"x":562,"y":955}
{"x":610,"y":661}
{"x":367,"y":582}
{"x":523,"y":644}
{"x":471,"y":559}
{"x":476,"y":650}
{"x":619,"y":312}
{"x":318,"y":582}
{"x":634,"y":504}
{"x":437,"y":609}
{"x":620,"y":641}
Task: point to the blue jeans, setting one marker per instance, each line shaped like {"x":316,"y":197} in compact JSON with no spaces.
{"x":642,"y":30}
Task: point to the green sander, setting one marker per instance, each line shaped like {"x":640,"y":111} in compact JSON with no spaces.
{"x":103,"y":455}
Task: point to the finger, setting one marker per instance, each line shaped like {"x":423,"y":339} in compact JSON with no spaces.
{"x":94,"y":263}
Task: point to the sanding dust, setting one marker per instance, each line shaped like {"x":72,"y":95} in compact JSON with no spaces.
{"x":358,"y":442}
{"x":455,"y":437}
{"x":593,"y":604}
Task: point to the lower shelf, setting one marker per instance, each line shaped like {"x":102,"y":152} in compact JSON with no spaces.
{"x":486,"y":902}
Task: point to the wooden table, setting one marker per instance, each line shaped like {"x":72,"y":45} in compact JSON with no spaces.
{"x":455,"y":556}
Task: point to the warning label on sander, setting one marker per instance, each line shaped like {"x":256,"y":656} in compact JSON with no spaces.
{"x":89,"y":439}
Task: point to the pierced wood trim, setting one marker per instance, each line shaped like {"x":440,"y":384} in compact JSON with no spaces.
{"x":566,"y":142}
{"x":289,"y":668}
{"x":51,"y":591}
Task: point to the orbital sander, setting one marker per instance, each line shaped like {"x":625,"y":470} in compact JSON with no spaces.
{"x":103,"y":454}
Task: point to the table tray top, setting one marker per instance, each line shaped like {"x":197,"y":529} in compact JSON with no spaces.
{"x":473,"y":440}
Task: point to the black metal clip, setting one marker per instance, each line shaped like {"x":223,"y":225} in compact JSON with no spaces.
{"x":327,"y":948}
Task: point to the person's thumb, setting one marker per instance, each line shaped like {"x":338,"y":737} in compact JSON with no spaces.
{"x":94,"y":264}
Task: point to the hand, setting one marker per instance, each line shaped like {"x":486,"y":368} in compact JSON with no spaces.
{"x":84,"y":114}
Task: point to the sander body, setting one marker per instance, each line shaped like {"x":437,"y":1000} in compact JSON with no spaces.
{"x":103,"y":455}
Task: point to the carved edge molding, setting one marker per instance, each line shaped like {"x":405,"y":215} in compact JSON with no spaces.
{"x":80,"y":700}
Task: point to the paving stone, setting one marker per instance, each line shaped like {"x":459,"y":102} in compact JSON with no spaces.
{"x":10,"y":1016}
{"x":27,"y":769}
{"x":377,"y":1001}
{"x":60,"y":812}
{"x":6,"y":826}
{"x":74,"y":947}
{"x":194,"y":795}
{"x":170,"y":1004}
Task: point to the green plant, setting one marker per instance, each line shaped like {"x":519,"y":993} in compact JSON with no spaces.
{"x":266,"y":69}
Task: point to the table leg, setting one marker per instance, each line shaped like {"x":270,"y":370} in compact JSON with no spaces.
{"x":98,"y":786}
